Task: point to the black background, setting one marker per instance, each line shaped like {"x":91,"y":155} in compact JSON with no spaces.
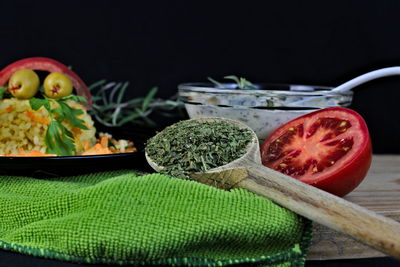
{"x":164,"y":43}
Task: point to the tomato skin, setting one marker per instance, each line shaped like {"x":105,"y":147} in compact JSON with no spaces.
{"x":50,"y":65}
{"x":343,"y":182}
{"x":345,"y":177}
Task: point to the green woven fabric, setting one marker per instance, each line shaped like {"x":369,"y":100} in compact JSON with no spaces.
{"x":126,"y":218}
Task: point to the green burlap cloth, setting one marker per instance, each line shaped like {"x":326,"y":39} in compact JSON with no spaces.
{"x":125,"y":218}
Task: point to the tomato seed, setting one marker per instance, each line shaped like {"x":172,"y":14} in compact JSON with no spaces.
{"x":288,"y":165}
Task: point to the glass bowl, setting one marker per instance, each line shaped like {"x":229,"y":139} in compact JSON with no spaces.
{"x":264,"y":108}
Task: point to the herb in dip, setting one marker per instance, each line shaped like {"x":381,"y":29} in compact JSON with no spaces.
{"x":241,"y":82}
{"x":192,"y":146}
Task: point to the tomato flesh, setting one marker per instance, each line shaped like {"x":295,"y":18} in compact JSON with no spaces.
{"x":50,"y":65}
{"x":329,"y":148}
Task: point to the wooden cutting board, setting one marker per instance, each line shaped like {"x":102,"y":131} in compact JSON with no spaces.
{"x":379,"y":192}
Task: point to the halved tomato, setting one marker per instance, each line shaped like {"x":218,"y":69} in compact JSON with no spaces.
{"x":329,"y":149}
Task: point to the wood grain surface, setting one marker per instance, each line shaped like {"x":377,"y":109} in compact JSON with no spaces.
{"x":379,"y":192}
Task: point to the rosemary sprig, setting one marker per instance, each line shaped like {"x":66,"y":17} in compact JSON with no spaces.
{"x":241,"y":82}
{"x":110,"y":109}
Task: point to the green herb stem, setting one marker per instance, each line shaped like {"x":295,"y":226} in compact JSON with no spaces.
{"x":241,"y":82}
{"x":111,"y":110}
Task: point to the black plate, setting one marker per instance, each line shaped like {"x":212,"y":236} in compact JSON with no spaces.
{"x":71,"y":165}
{"x":75,"y":165}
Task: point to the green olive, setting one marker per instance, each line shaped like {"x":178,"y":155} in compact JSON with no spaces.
{"x":23,"y":84}
{"x":57,"y":85}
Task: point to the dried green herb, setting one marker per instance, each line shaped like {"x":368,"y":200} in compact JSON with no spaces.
{"x":192,"y":146}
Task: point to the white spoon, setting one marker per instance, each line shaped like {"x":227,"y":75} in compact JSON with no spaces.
{"x":390,"y":71}
{"x":315,"y":101}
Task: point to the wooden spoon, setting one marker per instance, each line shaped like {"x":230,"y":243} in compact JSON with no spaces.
{"x":324,"y":208}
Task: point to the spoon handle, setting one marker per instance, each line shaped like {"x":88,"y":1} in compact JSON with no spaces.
{"x":366,"y":78}
{"x":324,"y":208}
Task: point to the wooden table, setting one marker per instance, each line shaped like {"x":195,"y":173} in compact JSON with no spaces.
{"x":379,"y":192}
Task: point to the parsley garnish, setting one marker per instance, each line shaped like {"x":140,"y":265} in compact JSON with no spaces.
{"x":2,"y":91}
{"x":59,"y":140}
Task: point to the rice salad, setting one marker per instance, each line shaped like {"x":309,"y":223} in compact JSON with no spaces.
{"x":23,"y":129}
{"x":45,"y":118}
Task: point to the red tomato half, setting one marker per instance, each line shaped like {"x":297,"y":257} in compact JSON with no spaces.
{"x":329,"y":149}
{"x":50,"y":65}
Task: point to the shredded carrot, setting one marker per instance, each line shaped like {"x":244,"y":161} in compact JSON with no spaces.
{"x":76,"y":131}
{"x":35,"y":118}
{"x":33,"y":153}
{"x":131,"y":149}
{"x":86,"y":145}
{"x":104,"y":141}
{"x":97,"y":149}
{"x":6,"y":110}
